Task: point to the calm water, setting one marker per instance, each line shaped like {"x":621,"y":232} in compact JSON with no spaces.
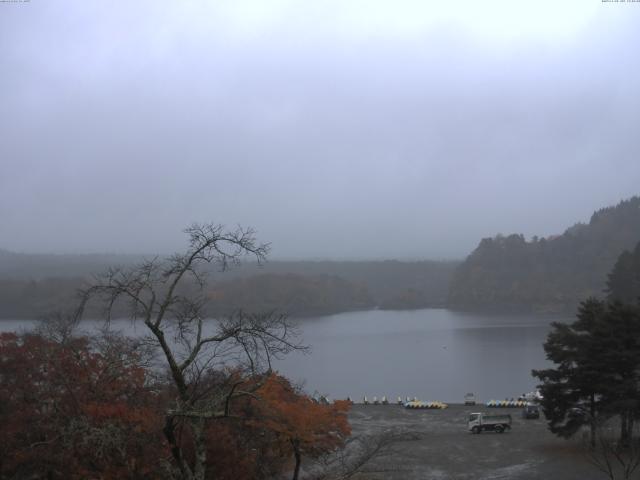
{"x":434,"y":354}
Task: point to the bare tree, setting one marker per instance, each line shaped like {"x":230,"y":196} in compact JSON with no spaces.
{"x":169,"y":297}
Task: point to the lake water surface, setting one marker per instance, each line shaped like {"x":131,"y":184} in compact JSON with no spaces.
{"x":433,"y":354}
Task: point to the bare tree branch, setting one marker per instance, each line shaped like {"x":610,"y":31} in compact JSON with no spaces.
{"x":362,"y":455}
{"x":170,"y":298}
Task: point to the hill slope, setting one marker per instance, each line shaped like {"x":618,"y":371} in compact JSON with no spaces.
{"x":547,"y":274}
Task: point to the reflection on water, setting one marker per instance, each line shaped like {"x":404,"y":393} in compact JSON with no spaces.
{"x":434,"y":354}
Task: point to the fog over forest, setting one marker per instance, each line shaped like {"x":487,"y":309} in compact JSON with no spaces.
{"x":337,"y":130}
{"x":330,"y":240}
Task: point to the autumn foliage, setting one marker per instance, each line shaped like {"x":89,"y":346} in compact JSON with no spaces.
{"x":81,"y":409}
{"x":270,"y":432}
{"x":298,"y":423}
{"x":68,"y":411}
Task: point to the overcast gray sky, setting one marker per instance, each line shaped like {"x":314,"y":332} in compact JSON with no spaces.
{"x":337,"y":129}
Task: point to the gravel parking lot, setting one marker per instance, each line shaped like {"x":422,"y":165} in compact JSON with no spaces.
{"x":446,"y":450}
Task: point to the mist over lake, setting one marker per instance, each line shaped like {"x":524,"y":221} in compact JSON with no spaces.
{"x":319,"y":199}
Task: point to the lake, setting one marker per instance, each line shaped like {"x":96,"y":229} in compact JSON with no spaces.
{"x":433,"y":354}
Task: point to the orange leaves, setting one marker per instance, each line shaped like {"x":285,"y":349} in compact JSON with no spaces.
{"x":294,"y":416}
{"x":77,"y":410}
{"x":272,"y":427}
{"x":66,"y":408}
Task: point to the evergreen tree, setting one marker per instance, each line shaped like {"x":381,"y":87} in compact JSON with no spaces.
{"x":597,"y":372}
{"x":618,"y":334}
{"x":572,"y":391}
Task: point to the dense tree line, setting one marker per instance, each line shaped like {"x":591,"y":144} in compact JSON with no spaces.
{"x":299,"y":288}
{"x":547,"y":274}
{"x":295,"y":294}
{"x":33,"y":299}
{"x":623,"y":283}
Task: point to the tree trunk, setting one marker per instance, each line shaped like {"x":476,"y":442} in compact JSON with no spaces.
{"x":592,"y":419}
{"x":176,"y":452}
{"x":298,"y":457}
{"x":624,"y":428}
{"x":200,"y":444}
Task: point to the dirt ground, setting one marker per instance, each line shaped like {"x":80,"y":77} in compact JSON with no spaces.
{"x":446,"y":450}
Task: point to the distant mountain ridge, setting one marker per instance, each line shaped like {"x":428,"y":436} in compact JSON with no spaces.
{"x":546,"y":274}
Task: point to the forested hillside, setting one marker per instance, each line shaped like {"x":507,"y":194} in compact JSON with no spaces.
{"x":391,"y":284}
{"x":33,"y":285}
{"x":623,"y":283}
{"x":547,"y":274}
{"x":295,"y":294}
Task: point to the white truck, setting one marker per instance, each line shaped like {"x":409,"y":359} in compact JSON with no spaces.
{"x":495,"y":423}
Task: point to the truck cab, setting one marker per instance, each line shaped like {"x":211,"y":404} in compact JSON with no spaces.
{"x":474,"y":419}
